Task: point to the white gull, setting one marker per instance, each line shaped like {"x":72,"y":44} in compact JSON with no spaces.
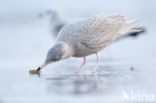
{"x":89,"y":36}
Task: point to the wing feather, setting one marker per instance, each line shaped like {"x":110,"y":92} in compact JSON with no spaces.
{"x":104,"y":32}
{"x":93,"y":32}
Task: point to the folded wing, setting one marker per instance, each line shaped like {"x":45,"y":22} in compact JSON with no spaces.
{"x":101,"y":30}
{"x":93,"y":32}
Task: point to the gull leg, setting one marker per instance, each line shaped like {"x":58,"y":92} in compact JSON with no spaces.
{"x":97,"y":62}
{"x":84,"y":62}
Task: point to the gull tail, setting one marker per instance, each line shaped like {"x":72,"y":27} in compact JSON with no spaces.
{"x":130,"y":29}
{"x":136,"y":31}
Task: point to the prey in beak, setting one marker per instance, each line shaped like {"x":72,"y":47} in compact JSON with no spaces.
{"x":37,"y":71}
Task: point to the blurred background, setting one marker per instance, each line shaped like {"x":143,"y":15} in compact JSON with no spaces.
{"x":26,"y":35}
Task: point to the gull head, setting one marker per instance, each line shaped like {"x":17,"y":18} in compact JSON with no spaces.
{"x":58,"y":52}
{"x":55,"y":15}
{"x":55,"y":53}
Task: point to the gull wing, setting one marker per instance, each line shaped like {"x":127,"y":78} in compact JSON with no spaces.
{"x":100,"y":30}
{"x":93,"y":32}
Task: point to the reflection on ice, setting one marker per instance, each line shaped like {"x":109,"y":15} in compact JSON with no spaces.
{"x":103,"y":82}
{"x":73,"y":84}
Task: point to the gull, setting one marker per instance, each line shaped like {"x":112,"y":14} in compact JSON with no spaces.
{"x":56,"y":21}
{"x":88,"y":36}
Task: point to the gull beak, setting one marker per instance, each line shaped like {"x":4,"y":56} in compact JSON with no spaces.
{"x":42,"y":66}
{"x":38,"y":69}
